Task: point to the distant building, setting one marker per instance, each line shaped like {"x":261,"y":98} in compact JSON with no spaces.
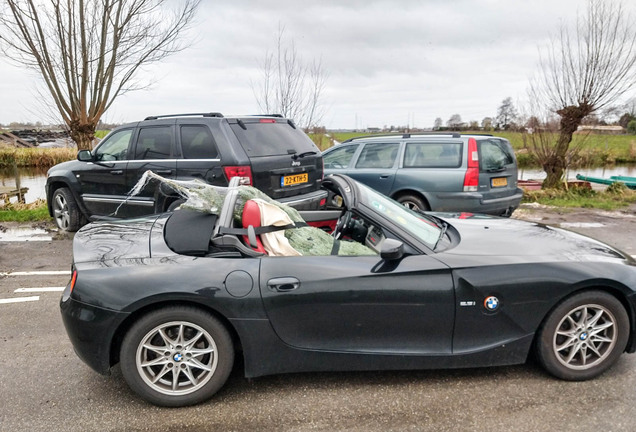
{"x":601,"y":130}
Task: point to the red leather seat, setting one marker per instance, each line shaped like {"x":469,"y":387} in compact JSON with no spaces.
{"x":252,"y":216}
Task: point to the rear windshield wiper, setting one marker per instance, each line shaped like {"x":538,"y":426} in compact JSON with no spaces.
{"x":302,"y":155}
{"x":493,"y":170}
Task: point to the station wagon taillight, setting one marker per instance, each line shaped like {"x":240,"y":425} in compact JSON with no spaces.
{"x":471,"y":178}
{"x":238,"y":171}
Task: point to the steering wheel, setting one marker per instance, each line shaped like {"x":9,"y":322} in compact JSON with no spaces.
{"x":342,"y":224}
{"x":336,"y":164}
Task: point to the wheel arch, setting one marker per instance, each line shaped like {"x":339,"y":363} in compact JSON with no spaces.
{"x":124,"y":327}
{"x":618,"y":291}
{"x":422,"y":195}
{"x":58,"y":183}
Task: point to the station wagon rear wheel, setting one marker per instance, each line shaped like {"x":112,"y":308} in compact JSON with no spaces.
{"x":583,"y":336}
{"x":177,"y":356}
{"x":413,"y":202}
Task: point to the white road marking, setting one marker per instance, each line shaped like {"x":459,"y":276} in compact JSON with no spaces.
{"x":40,"y":289}
{"x":581,"y":225}
{"x":38,"y":273}
{"x":20,"y":299}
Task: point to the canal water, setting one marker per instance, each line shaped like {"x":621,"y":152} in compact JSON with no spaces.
{"x":35,"y":178}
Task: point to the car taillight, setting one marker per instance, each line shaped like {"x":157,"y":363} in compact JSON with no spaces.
{"x":73,"y":280}
{"x":471,"y":178}
{"x":238,"y":171}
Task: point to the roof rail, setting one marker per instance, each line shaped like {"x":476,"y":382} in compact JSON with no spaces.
{"x":478,"y":134}
{"x":210,"y":114}
{"x":406,"y":135}
{"x":267,"y":115}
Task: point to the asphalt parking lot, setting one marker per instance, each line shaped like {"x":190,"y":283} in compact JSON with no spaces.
{"x":45,"y":387}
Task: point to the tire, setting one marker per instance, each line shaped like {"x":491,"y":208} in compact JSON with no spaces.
{"x":413,"y":202}
{"x":205,"y":344}
{"x":583,"y":336}
{"x":65,"y":211}
{"x":174,"y":204}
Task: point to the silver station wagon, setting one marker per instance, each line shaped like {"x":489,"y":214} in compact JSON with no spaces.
{"x":439,"y":172}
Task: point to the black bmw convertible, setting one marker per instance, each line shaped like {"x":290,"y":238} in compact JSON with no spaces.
{"x":177,"y":298}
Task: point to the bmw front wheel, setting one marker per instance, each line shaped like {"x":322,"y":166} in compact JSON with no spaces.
{"x":583,"y":336}
{"x":177,"y":356}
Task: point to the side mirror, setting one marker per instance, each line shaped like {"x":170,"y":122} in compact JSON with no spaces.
{"x":84,"y":156}
{"x":391,"y":249}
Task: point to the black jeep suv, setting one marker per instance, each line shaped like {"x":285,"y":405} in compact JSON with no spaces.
{"x":271,"y":151}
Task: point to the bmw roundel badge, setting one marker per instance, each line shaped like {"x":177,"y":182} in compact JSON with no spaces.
{"x":491,"y":303}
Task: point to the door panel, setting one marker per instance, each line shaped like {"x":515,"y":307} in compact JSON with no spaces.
{"x":103,"y":182}
{"x":360,"y":304}
{"x":154,"y":151}
{"x":376,"y":166}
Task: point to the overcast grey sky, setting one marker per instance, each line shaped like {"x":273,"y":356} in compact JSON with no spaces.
{"x":389,"y":62}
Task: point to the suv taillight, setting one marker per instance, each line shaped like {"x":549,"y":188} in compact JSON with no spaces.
{"x":471,"y":179}
{"x":238,"y":171}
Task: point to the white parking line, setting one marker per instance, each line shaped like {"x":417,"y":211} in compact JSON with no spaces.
{"x":40,"y":289}
{"x":38,"y":273}
{"x":20,"y":299}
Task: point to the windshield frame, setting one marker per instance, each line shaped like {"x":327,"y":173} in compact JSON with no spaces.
{"x":421,"y":227}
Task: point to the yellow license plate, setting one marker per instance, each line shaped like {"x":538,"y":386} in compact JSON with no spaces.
{"x":294,"y":179}
{"x":499,"y":182}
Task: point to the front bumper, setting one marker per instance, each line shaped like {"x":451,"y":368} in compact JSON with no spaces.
{"x":91,"y":330}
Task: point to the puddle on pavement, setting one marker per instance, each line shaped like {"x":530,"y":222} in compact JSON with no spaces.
{"x":24,"y":235}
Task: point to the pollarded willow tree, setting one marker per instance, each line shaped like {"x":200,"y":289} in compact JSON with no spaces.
{"x":88,"y":52}
{"x":583,"y":71}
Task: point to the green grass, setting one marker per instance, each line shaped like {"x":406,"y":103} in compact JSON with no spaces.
{"x":35,"y":212}
{"x":614,"y":197}
{"x":101,"y":133}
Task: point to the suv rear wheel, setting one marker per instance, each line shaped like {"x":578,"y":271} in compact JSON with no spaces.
{"x":65,"y":211}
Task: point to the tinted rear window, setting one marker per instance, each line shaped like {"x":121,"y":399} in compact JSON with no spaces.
{"x":267,"y":139}
{"x":495,"y":154}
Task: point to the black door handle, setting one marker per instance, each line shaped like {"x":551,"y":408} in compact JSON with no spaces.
{"x":117,"y":172}
{"x":163,"y":171}
{"x":283,"y":284}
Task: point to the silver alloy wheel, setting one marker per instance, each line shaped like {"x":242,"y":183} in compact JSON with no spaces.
{"x":410,"y":205}
{"x":61,"y":212}
{"x":585,"y":337}
{"x":177,"y":358}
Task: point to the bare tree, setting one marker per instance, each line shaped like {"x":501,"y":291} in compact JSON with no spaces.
{"x":584,"y":70}
{"x":88,"y":52}
{"x":455,"y":122}
{"x":289,"y":86}
{"x":506,"y":114}
{"x":438,"y":123}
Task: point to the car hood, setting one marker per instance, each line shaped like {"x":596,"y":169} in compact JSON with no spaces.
{"x":106,"y":241}
{"x":492,"y":236}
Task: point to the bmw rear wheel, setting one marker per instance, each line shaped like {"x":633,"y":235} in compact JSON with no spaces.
{"x":177,"y":356}
{"x":583,"y":336}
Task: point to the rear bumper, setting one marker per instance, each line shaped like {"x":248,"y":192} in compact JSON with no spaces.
{"x":90,"y":330}
{"x":308,"y":201}
{"x":475,"y":202}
